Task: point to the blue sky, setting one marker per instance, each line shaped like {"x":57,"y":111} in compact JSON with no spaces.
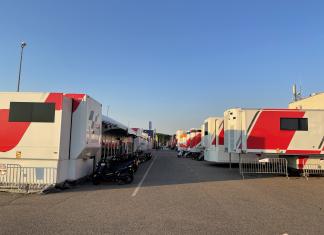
{"x":174,"y":62}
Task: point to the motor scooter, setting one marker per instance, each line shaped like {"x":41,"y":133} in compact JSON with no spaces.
{"x":121,"y":173}
{"x":130,"y":159}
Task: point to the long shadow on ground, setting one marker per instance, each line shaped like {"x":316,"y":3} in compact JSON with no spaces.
{"x":168,"y":169}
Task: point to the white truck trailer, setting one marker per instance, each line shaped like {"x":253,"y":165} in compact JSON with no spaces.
{"x":48,"y":138}
{"x":181,"y":139}
{"x":214,"y":138}
{"x":142,"y":142}
{"x":294,"y":134}
{"x":203,"y":137}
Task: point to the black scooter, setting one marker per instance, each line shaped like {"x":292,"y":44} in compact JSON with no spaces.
{"x":143,"y":157}
{"x":121,"y":173}
{"x":129,"y":159}
{"x":148,"y":156}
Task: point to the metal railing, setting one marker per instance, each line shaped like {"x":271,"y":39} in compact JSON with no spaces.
{"x":278,"y":166}
{"x":313,"y":169}
{"x":14,"y":177}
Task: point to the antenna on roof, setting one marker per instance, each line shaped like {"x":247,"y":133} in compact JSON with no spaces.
{"x":296,"y":95}
{"x":300,"y":92}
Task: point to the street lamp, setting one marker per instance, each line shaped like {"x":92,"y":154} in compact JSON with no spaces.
{"x":23,"y":44}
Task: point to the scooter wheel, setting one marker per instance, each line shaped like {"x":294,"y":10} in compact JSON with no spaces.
{"x":129,"y":179}
{"x":126,"y":180}
{"x":135,"y":168}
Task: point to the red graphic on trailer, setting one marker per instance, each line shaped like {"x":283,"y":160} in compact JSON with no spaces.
{"x":195,"y":140}
{"x":221,"y":137}
{"x":11,"y":133}
{"x":266,"y":133}
{"x":76,"y":100}
{"x":188,"y":143}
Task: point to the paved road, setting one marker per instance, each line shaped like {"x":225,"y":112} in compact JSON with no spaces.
{"x":178,"y":196}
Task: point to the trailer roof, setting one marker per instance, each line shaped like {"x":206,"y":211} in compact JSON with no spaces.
{"x":276,"y":109}
{"x":112,"y":123}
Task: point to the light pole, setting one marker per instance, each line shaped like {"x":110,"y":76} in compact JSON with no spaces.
{"x":23,"y":44}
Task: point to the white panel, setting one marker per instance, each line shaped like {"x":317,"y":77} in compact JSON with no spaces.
{"x":311,"y":139}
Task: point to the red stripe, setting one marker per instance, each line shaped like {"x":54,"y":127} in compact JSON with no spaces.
{"x":276,"y":109}
{"x":266,"y":133}
{"x":10,"y":132}
{"x":214,"y":140}
{"x":292,"y":151}
{"x":56,"y":98}
{"x":196,"y":140}
{"x":188,"y":143}
{"x":221,"y":137}
{"x":192,"y":142}
{"x":76,"y":100}
{"x":301,"y":162}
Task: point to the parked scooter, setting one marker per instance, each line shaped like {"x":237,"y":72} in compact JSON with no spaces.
{"x":143,"y":157}
{"x":130,"y":159}
{"x":122,"y":173}
{"x":148,"y":156}
{"x":199,"y":156}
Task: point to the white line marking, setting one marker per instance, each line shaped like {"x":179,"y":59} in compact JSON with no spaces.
{"x":144,"y":176}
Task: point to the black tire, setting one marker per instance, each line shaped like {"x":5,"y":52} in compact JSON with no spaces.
{"x":135,"y":168}
{"x":127,"y":179}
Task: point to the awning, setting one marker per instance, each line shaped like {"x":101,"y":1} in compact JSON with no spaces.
{"x":111,"y":126}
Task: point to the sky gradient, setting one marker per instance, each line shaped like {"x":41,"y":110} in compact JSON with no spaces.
{"x":174,"y":62}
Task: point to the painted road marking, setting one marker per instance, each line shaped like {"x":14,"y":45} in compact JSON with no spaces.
{"x":142,"y":180}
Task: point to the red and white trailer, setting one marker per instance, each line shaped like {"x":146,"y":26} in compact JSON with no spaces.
{"x":51,"y":137}
{"x":181,"y":140}
{"x":297,"y":135}
{"x":195,"y":141}
{"x":214,"y":139}
{"x":188,"y":140}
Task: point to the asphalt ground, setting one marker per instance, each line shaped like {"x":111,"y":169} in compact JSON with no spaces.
{"x":173,"y":195}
